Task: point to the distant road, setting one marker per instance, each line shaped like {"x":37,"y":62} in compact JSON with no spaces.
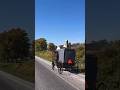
{"x":9,"y":82}
{"x":47,"y":80}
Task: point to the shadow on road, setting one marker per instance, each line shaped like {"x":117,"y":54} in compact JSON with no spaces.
{"x":75,"y":70}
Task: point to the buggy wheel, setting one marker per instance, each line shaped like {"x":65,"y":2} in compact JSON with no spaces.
{"x":70,"y":68}
{"x":60,"y":70}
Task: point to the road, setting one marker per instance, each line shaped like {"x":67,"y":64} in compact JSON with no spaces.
{"x":9,"y":82}
{"x":47,"y":80}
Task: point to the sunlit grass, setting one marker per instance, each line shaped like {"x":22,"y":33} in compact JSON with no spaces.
{"x":45,"y":54}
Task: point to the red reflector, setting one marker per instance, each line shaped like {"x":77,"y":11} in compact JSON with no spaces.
{"x":70,"y":61}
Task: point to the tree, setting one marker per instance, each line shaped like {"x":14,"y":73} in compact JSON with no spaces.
{"x":18,"y":43}
{"x":41,"y":44}
{"x":33,"y":49}
{"x":3,"y":45}
{"x":15,"y":45}
{"x":51,"y":47}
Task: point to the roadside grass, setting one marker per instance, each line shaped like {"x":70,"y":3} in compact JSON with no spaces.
{"x":81,"y":67}
{"x":25,"y":70}
{"x":45,"y":54}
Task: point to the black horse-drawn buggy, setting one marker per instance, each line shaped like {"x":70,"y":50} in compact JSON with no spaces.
{"x":65,"y":59}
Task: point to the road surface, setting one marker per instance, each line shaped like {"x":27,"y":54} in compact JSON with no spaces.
{"x":47,"y":80}
{"x":9,"y":82}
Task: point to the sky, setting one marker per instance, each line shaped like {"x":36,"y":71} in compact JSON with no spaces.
{"x":103,"y":22}
{"x":18,"y":13}
{"x":60,"y":20}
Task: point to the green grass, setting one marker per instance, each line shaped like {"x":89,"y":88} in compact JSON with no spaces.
{"x":45,"y":54}
{"x":81,"y":66}
{"x":24,"y":70}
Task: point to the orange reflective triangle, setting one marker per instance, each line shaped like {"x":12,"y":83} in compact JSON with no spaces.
{"x":69,"y":61}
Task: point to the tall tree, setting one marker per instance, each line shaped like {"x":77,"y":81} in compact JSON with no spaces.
{"x":51,"y":47}
{"x":41,"y":44}
{"x":3,"y":45}
{"x":15,"y":44}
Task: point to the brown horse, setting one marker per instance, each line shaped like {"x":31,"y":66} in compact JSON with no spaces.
{"x":60,"y":67}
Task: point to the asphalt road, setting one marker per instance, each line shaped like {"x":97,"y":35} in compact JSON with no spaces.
{"x":4,"y":85}
{"x":9,"y":82}
{"x":47,"y":80}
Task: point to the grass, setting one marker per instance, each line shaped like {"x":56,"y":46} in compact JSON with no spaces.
{"x":45,"y":54}
{"x":81,"y":67}
{"x":23,"y":70}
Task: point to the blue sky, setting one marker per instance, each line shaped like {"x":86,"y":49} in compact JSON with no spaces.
{"x":17,"y":13}
{"x":60,"y":20}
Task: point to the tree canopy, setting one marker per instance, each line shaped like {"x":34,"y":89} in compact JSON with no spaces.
{"x":41,"y":44}
{"x":14,"y":44}
{"x":51,"y":47}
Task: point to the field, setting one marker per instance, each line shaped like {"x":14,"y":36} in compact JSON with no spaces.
{"x":23,"y":70}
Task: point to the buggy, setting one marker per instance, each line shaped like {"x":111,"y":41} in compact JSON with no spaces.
{"x":65,"y":59}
